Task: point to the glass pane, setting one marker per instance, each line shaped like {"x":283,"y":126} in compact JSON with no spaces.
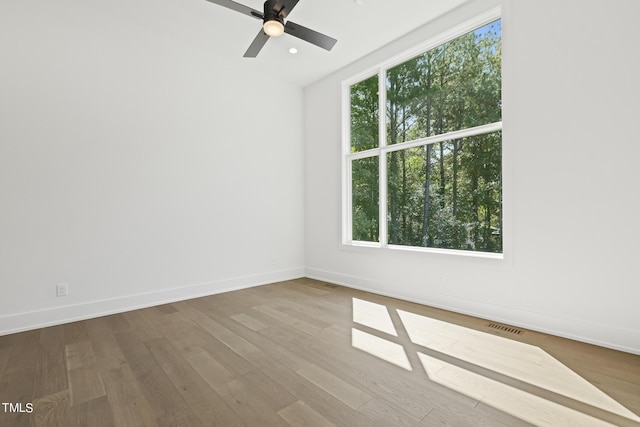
{"x":447,"y":195}
{"x":365,"y":193}
{"x":454,"y":86}
{"x":364,"y":114}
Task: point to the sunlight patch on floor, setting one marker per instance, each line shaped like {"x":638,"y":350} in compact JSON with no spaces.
{"x":373,"y":315}
{"x":514,"y":359}
{"x":548,"y":380}
{"x":381,"y":348}
{"x":510,"y":400}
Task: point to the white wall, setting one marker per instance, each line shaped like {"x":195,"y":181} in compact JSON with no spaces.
{"x":570,"y":180}
{"x":128,"y":170}
{"x":135,"y":168}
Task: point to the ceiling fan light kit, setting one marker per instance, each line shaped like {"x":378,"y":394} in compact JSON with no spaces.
{"x":273,"y":19}
{"x":274,"y":24}
{"x":273,"y":28}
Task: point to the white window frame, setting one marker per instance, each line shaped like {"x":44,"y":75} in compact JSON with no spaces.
{"x":382,"y":149}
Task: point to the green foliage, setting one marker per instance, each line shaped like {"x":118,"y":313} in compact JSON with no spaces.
{"x":365,"y":192}
{"x":446,"y":194}
{"x":364,"y":114}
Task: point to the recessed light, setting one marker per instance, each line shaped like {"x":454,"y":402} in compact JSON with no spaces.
{"x":359,"y":2}
{"x":293,"y":51}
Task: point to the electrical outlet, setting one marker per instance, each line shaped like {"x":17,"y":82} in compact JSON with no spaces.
{"x":274,"y":260}
{"x":441,"y":279}
{"x":62,"y":289}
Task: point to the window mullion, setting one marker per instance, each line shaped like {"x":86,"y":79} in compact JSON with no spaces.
{"x":382,"y":161}
{"x":346,"y":167}
{"x":348,"y":232}
{"x":382,"y":107}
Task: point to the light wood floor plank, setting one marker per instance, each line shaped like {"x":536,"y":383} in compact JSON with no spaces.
{"x":382,"y":412}
{"x":308,"y":312}
{"x":166,"y":309}
{"x":125,"y":395}
{"x":248,"y":406}
{"x":51,"y":373}
{"x":79,"y":355}
{"x":291,"y":353}
{"x":53,"y":409}
{"x":16,"y":387}
{"x":4,"y":358}
{"x":272,"y":394}
{"x":141,"y":325}
{"x":344,"y":391}
{"x":370,"y":374}
{"x":85,"y":384}
{"x":299,"y":414}
{"x":24,"y":353}
{"x":222,"y":353}
{"x":167,"y":404}
{"x":75,"y":332}
{"x":249,"y":322}
{"x":212,"y":371}
{"x":288,"y":320}
{"x":95,"y":413}
{"x":106,"y":350}
{"x":116,"y":322}
{"x":205,"y":403}
{"x":480,"y":416}
{"x":332,"y":408}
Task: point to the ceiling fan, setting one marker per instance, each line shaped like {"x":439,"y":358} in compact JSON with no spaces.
{"x":274,"y":24}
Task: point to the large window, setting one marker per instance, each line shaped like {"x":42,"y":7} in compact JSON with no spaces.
{"x":423,"y":147}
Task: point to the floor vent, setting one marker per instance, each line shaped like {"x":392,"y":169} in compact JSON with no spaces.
{"x":506,"y":328}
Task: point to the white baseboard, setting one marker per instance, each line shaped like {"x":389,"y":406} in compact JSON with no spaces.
{"x":622,"y":339}
{"x":55,"y":316}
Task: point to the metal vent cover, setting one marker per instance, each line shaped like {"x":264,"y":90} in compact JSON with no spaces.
{"x":506,"y":328}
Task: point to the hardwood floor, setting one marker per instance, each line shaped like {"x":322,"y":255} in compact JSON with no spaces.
{"x":307,"y":353}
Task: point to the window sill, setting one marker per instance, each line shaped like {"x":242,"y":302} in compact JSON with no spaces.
{"x":357,"y":245}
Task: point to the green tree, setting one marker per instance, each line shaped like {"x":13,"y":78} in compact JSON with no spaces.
{"x":365,"y":176}
{"x":447,"y":194}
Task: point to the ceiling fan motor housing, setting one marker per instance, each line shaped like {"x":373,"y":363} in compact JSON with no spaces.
{"x":273,"y":11}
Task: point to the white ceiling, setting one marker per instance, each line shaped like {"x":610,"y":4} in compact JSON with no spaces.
{"x":226,"y":34}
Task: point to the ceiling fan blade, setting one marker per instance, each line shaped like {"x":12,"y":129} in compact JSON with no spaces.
{"x":288,"y":6}
{"x":309,"y":35}
{"x":256,"y":45}
{"x":238,"y":8}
